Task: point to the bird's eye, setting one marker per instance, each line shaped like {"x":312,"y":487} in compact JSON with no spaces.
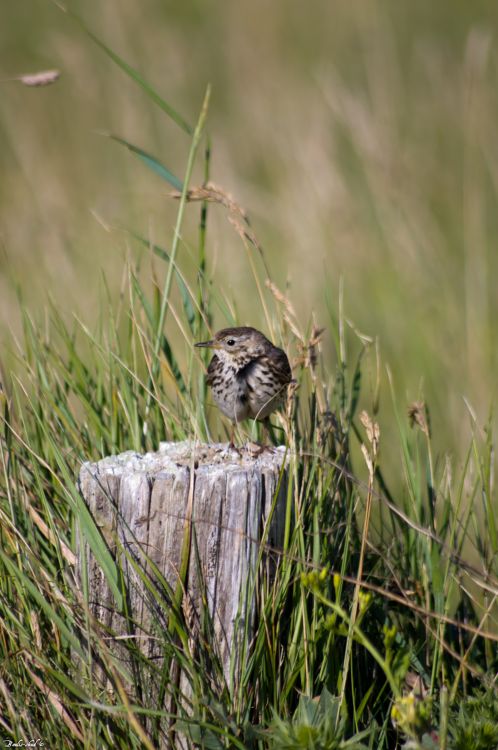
{"x":230,"y":342}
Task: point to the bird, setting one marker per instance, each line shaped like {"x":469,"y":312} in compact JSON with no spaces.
{"x":248,"y":375}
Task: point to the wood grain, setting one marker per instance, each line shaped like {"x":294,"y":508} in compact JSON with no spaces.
{"x":142,"y":505}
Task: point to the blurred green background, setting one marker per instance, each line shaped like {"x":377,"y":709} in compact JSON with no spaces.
{"x":361,"y":137}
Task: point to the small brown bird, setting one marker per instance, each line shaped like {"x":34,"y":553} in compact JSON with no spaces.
{"x":248,"y":374}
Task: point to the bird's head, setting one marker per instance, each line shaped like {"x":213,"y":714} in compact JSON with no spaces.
{"x":238,"y":345}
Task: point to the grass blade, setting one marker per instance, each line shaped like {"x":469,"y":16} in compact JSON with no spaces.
{"x":150,"y":161}
{"x":132,"y":73}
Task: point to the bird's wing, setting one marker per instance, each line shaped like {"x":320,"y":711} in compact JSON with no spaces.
{"x":212,"y":367}
{"x":281,"y":364}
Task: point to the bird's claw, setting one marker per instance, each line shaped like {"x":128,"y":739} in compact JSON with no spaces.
{"x":256,"y":449}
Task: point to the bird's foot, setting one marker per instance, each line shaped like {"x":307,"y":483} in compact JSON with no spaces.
{"x":232,"y":447}
{"x":256,"y":449}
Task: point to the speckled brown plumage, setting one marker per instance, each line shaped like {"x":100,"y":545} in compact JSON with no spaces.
{"x":248,"y":375}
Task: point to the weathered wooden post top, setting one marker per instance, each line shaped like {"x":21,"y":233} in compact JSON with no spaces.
{"x":229,"y":501}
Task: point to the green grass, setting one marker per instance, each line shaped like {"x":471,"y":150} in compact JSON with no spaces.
{"x":362,"y":144}
{"x":388,"y":574}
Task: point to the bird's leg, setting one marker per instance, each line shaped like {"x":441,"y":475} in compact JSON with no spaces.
{"x":258,"y":448}
{"x":266,"y":432}
{"x":231,"y":444}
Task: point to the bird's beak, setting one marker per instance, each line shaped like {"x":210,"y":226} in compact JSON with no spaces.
{"x":206,"y":344}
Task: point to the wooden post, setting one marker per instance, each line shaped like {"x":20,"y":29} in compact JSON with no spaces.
{"x":223,"y":502}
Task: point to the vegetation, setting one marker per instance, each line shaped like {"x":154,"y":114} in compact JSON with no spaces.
{"x":379,"y":630}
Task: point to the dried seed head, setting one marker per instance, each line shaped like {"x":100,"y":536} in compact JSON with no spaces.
{"x":214,"y":194}
{"x":419,"y":415}
{"x":44,"y":78}
{"x":313,"y":344}
{"x":372,"y":429}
